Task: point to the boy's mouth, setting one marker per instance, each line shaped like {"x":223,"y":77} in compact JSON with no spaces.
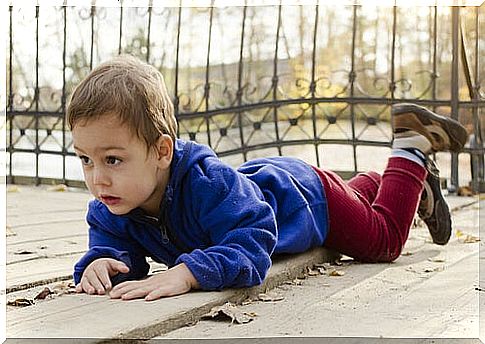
{"x":109,"y":200}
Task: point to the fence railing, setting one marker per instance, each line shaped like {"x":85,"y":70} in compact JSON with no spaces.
{"x":316,"y":82}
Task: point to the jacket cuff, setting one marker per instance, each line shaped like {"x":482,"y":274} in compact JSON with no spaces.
{"x":207,"y":278}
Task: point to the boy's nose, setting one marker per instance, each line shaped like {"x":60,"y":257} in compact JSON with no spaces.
{"x":100,"y":177}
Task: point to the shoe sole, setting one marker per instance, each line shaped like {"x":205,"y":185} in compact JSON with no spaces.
{"x":456,"y":133}
{"x":439,"y":231}
{"x":434,"y":210}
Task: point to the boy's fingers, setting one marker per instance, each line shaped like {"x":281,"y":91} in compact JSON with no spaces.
{"x":87,"y":287}
{"x":156,"y":294}
{"x":103,"y":277}
{"x":134,"y":294}
{"x":124,"y":288}
{"x":93,"y":285}
{"x":79,"y":288}
{"x":120,"y":289}
{"x":116,"y":266}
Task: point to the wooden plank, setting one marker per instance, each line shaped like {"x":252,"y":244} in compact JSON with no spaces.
{"x":43,"y":232}
{"x":46,"y":248}
{"x":60,"y":317}
{"x":34,"y":271}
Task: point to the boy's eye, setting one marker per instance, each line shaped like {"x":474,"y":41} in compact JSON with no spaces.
{"x":112,"y":160}
{"x":85,"y":160}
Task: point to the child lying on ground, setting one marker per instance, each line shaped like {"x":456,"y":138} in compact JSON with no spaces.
{"x":216,"y":227}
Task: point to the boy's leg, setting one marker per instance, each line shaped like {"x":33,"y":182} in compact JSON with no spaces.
{"x":377,"y":231}
{"x":367,"y":184}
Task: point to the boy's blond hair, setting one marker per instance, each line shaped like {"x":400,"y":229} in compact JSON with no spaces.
{"x":133,"y":90}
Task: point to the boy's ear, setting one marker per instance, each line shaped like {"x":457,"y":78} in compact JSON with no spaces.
{"x":164,"y":150}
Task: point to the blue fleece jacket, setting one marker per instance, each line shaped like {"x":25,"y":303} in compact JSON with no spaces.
{"x":224,"y":224}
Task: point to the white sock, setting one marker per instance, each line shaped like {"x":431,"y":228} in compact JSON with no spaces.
{"x":411,"y":139}
{"x":401,"y":153}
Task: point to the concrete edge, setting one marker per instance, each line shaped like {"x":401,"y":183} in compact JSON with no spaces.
{"x":284,"y":268}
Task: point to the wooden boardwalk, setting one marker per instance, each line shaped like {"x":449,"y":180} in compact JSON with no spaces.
{"x":46,"y":235}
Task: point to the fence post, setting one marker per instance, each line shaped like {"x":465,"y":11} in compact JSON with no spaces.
{"x":455,"y":26}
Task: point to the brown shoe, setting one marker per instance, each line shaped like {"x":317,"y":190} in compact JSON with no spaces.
{"x":444,"y":133}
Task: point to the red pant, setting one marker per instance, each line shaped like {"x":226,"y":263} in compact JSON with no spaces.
{"x":370,"y":216}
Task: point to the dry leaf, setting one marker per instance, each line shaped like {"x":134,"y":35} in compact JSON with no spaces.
{"x":322,"y":271}
{"x":311,"y":272}
{"x":58,"y":188}
{"x":470,"y":239}
{"x":13,"y":188}
{"x":66,"y":287}
{"x":43,"y":294}
{"x":20,"y":252}
{"x":229,"y":311}
{"x":465,"y":191}
{"x":466,"y":238}
{"x":20,"y":303}
{"x":270,"y":297}
{"x":335,"y":273}
{"x":9,"y":231}
{"x":437,"y":269}
{"x":296,"y":281}
{"x":437,"y":260}
{"x":407,"y":253}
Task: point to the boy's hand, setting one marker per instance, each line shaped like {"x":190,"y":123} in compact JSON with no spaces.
{"x":175,"y":281}
{"x":96,"y":277}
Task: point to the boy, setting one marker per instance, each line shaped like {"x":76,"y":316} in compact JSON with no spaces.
{"x":215,"y":227}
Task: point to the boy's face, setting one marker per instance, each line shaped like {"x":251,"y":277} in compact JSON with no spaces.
{"x":117,"y":168}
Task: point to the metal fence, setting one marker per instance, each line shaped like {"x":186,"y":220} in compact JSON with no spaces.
{"x":316,"y":82}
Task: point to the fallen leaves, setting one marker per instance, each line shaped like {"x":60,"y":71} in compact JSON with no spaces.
{"x":326,"y":269}
{"x":58,"y":188}
{"x":21,"y":302}
{"x":13,"y":188}
{"x":464,"y":191}
{"x":270,"y":296}
{"x":9,"y":231}
{"x":437,"y":259}
{"x":229,"y":311}
{"x":22,"y":252}
{"x":66,"y":287}
{"x":336,"y":273}
{"x":43,"y":294}
{"x":296,"y":281}
{"x":466,"y":238}
{"x":425,"y":270}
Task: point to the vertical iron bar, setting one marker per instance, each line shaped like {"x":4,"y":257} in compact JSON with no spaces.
{"x":63,"y":98}
{"x":93,"y":12}
{"x":435,"y":52}
{"x":150,"y":4}
{"x":477,"y":158}
{"x":239,"y":82}
{"x":455,"y":27}
{"x":274,"y":80}
{"x":177,"y":52}
{"x":352,"y":77}
{"x":434,"y":76}
{"x":121,"y":27}
{"x":313,"y":84}
{"x":392,"y":86}
{"x":207,"y":68}
{"x":10,"y":97}
{"x":36,"y":96}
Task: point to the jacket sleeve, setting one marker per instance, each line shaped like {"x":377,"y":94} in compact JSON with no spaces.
{"x":110,"y":240}
{"x":242,"y":229}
